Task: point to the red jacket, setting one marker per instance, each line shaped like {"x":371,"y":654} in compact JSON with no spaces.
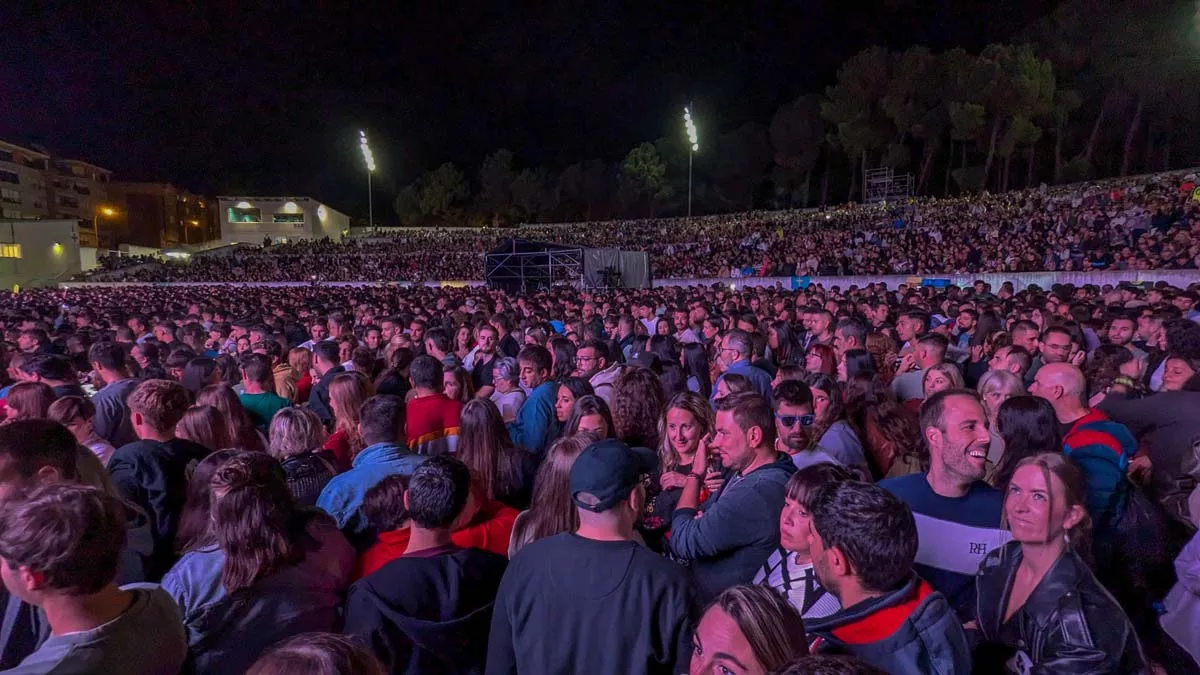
{"x":490,"y":531}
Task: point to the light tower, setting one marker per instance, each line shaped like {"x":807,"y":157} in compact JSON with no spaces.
{"x":369,"y":158}
{"x":694,"y":142}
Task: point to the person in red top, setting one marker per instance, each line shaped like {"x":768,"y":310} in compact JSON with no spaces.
{"x":484,"y":524}
{"x":433,"y":417}
{"x":300,"y":359}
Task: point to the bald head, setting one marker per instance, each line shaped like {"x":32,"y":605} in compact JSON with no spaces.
{"x":1060,"y":383}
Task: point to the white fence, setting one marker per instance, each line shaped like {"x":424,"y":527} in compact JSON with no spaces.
{"x":1178,"y":278}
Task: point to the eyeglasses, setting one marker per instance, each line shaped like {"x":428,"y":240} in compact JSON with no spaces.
{"x":789,"y":421}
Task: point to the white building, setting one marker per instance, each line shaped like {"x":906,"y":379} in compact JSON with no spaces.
{"x":38,"y":252}
{"x":250,"y":220}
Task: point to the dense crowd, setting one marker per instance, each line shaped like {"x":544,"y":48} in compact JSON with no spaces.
{"x":1141,"y":223}
{"x":374,"y":480}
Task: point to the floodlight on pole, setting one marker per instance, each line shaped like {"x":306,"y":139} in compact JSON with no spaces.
{"x":369,"y":159}
{"x":694,"y":142}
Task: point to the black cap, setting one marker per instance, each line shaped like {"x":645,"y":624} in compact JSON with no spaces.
{"x":607,"y":470}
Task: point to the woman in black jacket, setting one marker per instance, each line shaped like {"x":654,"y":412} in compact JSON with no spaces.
{"x":1040,"y":609}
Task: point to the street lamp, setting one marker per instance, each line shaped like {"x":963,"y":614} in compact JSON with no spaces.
{"x":369,"y":159}
{"x":695,"y":145}
{"x":107,"y":212}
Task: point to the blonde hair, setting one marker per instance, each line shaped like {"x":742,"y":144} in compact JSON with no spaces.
{"x":300,"y":359}
{"x":949,"y":370}
{"x":999,"y":380}
{"x":693,"y":403}
{"x":347,"y":393}
{"x":294,"y":431}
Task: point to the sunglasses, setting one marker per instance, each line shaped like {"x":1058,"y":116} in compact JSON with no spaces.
{"x":789,"y":421}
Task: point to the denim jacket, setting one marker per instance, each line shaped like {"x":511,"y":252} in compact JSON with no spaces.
{"x":343,"y":496}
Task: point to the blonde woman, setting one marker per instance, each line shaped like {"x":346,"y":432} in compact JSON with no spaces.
{"x":347,"y":392}
{"x":688,"y":418}
{"x":300,"y":359}
{"x":941,"y":377}
{"x":296,"y":438}
{"x":996,"y":387}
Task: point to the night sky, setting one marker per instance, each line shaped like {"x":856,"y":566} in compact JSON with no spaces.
{"x":227,"y":97}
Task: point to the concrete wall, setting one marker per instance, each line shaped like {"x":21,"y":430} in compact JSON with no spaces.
{"x":49,"y":252}
{"x":319,"y":220}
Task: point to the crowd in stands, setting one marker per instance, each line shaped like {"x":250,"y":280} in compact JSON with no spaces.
{"x":1140,"y":223}
{"x":456,"y":480}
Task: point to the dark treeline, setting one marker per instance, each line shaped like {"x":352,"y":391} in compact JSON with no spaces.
{"x":1096,"y":89}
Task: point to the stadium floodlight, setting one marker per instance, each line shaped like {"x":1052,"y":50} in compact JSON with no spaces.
{"x":693,"y":139}
{"x":369,"y":159}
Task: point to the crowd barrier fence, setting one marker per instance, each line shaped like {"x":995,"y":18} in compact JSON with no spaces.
{"x":1178,"y":278}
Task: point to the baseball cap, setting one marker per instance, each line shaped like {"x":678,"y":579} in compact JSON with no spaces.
{"x":607,"y":470}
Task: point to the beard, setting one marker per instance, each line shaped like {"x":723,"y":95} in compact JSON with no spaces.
{"x":799,"y":441}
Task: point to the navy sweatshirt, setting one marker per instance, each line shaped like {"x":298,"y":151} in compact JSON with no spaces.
{"x":573,"y":605}
{"x":738,"y":530}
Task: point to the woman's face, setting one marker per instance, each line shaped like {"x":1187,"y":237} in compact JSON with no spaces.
{"x":502,"y":385}
{"x":80,"y":428}
{"x":842,"y":373}
{"x":683,"y":432}
{"x":662,"y":328}
{"x":1175,"y":373}
{"x":772,"y":338}
{"x":1033,"y":516}
{"x":464,"y":337}
{"x":562,"y":404}
{"x":722,"y":390}
{"x":794,"y":522}
{"x":720,"y":648}
{"x":936,"y":381}
{"x":451,"y":386}
{"x":595,"y":424}
{"x":812,"y":362}
{"x":992,"y":400}
{"x":820,"y":402}
{"x":344,"y":352}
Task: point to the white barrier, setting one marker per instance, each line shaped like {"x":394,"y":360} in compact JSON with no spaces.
{"x":269,"y":284}
{"x":1178,"y":278}
{"x":1020,"y":280}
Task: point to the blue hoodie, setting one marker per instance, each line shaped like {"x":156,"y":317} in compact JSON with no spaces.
{"x":738,"y":530}
{"x":536,"y":424}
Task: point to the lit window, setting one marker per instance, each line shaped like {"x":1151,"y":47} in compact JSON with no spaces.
{"x":288,"y":218}
{"x":10,"y":250}
{"x":239,"y":214}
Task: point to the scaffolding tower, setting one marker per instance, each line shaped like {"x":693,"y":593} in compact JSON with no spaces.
{"x":884,"y":185}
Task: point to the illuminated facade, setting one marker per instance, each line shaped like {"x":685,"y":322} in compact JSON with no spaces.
{"x":251,"y":220}
{"x":36,"y":186}
{"x":38,"y":252}
{"x":159,"y":215}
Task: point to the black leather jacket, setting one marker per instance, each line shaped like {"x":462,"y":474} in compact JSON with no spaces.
{"x":1070,"y":625}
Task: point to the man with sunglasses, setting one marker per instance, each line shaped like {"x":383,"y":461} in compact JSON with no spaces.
{"x":797,"y":432}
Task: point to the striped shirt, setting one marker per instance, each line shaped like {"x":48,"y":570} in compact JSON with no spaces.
{"x":798,"y":583}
